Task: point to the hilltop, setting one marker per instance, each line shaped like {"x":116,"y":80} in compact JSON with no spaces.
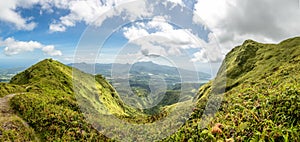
{"x":261,"y":99}
{"x":47,"y":101}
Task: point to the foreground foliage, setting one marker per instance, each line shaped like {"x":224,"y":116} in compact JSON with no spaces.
{"x":261,"y":102}
{"x":13,"y":129}
{"x":6,"y":89}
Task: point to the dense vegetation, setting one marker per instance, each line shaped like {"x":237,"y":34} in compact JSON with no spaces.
{"x":48,"y":103}
{"x":13,"y":129}
{"x":6,"y":89}
{"x":261,"y":101}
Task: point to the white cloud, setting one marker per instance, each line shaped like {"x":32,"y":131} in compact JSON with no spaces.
{"x":94,"y":10}
{"x":9,"y":14}
{"x":91,"y":10}
{"x":176,"y":1}
{"x":210,"y":53}
{"x":158,"y":37}
{"x":237,"y":20}
{"x":80,"y":11}
{"x":50,"y":50}
{"x":87,"y":11}
{"x":134,"y":33}
{"x":165,"y":39}
{"x":231,"y":21}
{"x":14,"y":47}
{"x":57,"y":27}
{"x":160,"y":23}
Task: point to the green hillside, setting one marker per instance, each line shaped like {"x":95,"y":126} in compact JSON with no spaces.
{"x":6,"y":89}
{"x":57,"y":109}
{"x":49,"y":104}
{"x":261,"y":102}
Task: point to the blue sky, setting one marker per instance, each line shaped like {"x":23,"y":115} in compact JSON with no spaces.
{"x":63,"y":41}
{"x":197,"y":32}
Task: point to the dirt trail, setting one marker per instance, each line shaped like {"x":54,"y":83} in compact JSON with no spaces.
{"x":6,"y":113}
{"x":5,"y":109}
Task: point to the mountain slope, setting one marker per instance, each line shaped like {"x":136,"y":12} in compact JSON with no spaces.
{"x":51,"y":105}
{"x":261,"y":99}
{"x":57,"y":100}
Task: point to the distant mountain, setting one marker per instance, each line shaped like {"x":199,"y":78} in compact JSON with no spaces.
{"x":142,"y":68}
{"x":147,"y":78}
{"x":156,"y":69}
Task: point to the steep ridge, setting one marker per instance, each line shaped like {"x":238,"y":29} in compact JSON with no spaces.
{"x":58,"y":101}
{"x":51,"y":107}
{"x":261,"y":99}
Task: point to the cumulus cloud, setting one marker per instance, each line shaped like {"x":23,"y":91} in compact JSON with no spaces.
{"x":57,"y":27}
{"x":263,"y":20}
{"x":50,"y":50}
{"x":87,"y":11}
{"x":210,"y":53}
{"x":14,"y":47}
{"x":158,"y":37}
{"x":231,"y":21}
{"x":177,"y":1}
{"x":164,"y":38}
{"x":93,"y":9}
{"x":9,"y":14}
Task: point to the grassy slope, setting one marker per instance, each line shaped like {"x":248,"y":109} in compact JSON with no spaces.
{"x":50,"y":104}
{"x":262,"y":96}
{"x":51,"y":108}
